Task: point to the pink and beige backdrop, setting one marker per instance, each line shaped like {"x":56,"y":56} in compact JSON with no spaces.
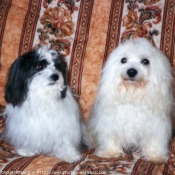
{"x":85,"y":32}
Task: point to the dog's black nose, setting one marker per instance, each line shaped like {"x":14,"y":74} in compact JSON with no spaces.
{"x":54,"y":77}
{"x":132,"y":72}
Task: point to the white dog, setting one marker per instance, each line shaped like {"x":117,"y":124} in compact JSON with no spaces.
{"x":41,"y":115}
{"x":134,"y":103}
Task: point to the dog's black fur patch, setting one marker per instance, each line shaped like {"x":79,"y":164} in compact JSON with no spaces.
{"x":22,"y":70}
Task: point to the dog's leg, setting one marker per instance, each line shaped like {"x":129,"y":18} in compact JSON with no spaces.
{"x":156,"y":151}
{"x":68,"y":153}
{"x":25,"y":153}
{"x":108,"y":148}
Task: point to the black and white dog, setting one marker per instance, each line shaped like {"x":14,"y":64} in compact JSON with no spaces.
{"x":42,"y":117}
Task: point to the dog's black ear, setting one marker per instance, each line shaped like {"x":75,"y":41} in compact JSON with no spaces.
{"x":16,"y":86}
{"x":61,"y":66}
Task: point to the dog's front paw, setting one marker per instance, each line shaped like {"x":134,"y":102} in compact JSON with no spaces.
{"x":73,"y":158}
{"x":24,"y":153}
{"x":69,"y":157}
{"x":156,"y":153}
{"x":156,"y":158}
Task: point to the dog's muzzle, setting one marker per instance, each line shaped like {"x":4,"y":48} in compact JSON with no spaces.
{"x":53,"y":78}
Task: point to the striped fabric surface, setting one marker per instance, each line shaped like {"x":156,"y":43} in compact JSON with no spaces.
{"x":85,"y":32}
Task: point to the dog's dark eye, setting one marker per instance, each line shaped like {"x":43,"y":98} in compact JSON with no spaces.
{"x":41,"y":65}
{"x":145,"y":61}
{"x":123,"y":60}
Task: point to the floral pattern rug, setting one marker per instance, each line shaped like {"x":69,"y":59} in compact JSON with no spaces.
{"x":89,"y":164}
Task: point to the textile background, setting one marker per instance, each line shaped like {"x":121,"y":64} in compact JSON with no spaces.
{"x":84,"y":31}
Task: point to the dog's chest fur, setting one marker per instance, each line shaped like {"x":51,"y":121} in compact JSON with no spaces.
{"x":131,"y":123}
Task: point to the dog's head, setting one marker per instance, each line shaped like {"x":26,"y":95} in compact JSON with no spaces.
{"x":42,"y":71}
{"x":136,"y":72}
{"x":136,"y":64}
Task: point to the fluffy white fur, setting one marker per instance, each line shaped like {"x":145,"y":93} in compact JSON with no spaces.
{"x":45,"y":123}
{"x":133,"y":113}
